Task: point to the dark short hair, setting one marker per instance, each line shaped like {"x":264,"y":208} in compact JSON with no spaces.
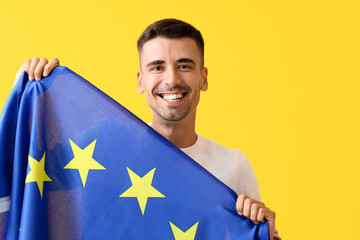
{"x":171,"y":28}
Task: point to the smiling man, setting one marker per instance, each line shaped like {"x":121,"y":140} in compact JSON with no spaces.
{"x":172,"y":75}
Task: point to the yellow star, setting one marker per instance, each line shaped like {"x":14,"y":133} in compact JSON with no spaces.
{"x":83,"y":160}
{"x":180,"y":235}
{"x":37,"y":173}
{"x":141,"y":188}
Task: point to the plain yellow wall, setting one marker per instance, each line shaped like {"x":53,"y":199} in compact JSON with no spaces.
{"x":283,"y":87}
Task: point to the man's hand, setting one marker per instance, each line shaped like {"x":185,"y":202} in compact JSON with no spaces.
{"x":256,"y":212}
{"x":36,"y":68}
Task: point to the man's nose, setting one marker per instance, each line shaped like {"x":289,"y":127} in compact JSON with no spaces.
{"x":171,"y":76}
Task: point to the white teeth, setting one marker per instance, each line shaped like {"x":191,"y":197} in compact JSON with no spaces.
{"x":172,"y":97}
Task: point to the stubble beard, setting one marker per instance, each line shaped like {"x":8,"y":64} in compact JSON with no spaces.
{"x":171,"y":114}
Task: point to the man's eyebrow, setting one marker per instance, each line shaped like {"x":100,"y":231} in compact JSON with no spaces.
{"x":155,"y":62}
{"x":185,"y":60}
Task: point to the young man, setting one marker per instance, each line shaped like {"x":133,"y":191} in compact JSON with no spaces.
{"x":171,"y":75}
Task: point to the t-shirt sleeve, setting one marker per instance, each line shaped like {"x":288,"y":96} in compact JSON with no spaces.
{"x":248,"y":183}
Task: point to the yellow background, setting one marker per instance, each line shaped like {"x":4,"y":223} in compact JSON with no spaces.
{"x":283,"y":87}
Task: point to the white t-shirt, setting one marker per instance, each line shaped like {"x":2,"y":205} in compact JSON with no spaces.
{"x":230,"y":166}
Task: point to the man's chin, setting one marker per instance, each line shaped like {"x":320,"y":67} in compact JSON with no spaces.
{"x":174,"y":118}
{"x":171,"y":115}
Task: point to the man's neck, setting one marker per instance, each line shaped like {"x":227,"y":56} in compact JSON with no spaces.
{"x":181,"y":134}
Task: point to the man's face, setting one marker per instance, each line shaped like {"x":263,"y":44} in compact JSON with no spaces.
{"x":171,"y":76}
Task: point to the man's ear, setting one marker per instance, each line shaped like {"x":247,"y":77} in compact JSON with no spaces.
{"x":140,"y":85}
{"x":204,"y":75}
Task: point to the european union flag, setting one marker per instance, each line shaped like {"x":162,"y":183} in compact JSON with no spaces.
{"x":75,"y":164}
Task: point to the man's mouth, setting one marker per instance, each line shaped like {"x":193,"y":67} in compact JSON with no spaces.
{"x":172,"y":97}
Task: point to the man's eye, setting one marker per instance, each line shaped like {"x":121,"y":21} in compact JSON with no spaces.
{"x":157,"y":68}
{"x":184,"y":67}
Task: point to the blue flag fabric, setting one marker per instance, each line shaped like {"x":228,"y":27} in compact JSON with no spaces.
{"x":75,"y":164}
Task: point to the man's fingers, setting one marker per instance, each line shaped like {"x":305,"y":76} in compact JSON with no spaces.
{"x":33,"y":65}
{"x":247,"y":207}
{"x":261,"y":214}
{"x":240,"y":203}
{"x":243,"y":204}
{"x":265,"y":213}
{"x":26,"y":65}
{"x":40,"y":68}
{"x":50,"y":66}
{"x":36,"y":68}
{"x":254,"y":210}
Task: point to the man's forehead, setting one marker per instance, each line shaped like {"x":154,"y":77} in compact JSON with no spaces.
{"x":161,"y":48}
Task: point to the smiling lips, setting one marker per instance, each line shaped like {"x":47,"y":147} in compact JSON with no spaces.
{"x":172,"y":94}
{"x":172,"y":97}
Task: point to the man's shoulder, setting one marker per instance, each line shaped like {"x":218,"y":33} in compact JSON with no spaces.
{"x":211,"y":147}
{"x":229,"y":165}
{"x":215,"y":145}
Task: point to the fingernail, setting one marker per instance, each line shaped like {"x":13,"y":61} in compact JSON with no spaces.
{"x":240,"y":213}
{"x":45,"y":74}
{"x":37,"y":78}
{"x":31,"y":78}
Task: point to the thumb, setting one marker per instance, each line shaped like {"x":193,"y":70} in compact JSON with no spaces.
{"x":270,"y":217}
{"x":18,"y":74}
